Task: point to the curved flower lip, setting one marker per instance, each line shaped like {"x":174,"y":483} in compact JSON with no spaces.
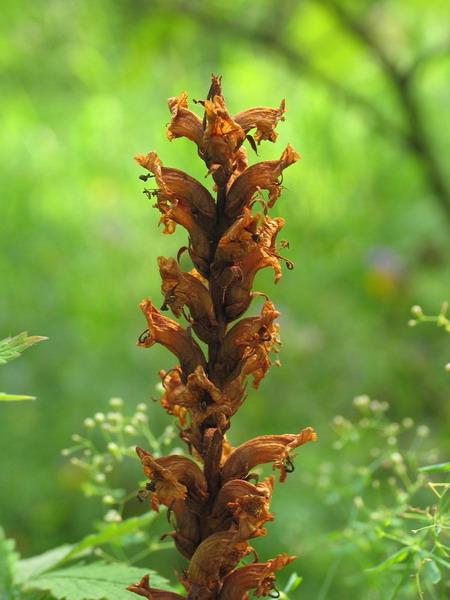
{"x":143,"y":589}
{"x":183,"y":289}
{"x":174,"y":477}
{"x":265,"y":120}
{"x":256,"y":575}
{"x":173,"y":336}
{"x":264,"y":175}
{"x":184,"y":122}
{"x":218,"y":553}
{"x":265,"y":449}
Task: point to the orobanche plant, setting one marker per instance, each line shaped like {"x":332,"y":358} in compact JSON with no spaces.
{"x":217,"y":503}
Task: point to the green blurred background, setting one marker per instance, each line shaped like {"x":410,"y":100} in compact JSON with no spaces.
{"x":83,"y":88}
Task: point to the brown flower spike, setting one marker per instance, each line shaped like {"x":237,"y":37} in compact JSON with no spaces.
{"x":215,"y":508}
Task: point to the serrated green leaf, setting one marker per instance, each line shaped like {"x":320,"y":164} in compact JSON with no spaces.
{"x":436,"y":468}
{"x":11,"y":397}
{"x":32,"y":567}
{"x":7,"y":559}
{"x":399,"y":556}
{"x":95,"y":581}
{"x":12,"y":347}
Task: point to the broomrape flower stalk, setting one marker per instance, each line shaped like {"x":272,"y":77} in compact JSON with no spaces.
{"x":217,"y":503}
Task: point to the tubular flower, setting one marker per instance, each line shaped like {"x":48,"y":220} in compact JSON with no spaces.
{"x":262,"y":176}
{"x":215,"y":511}
{"x":173,"y":336}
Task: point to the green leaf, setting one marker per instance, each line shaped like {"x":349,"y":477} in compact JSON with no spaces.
{"x":7,"y":559}
{"x":437,"y":468}
{"x":12,"y":347}
{"x":293,"y":582}
{"x":112,"y":532}
{"x":399,"y":556}
{"x":9,"y":397}
{"x":31,"y":567}
{"x":431,"y":571}
{"x":95,"y":581}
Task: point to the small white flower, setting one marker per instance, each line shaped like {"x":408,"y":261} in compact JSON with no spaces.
{"x":99,"y":417}
{"x":100,"y":477}
{"x":108,"y":499}
{"x":423,"y":431}
{"x":112,"y":516}
{"x":407,"y":423}
{"x":359,"y":502}
{"x":75,"y":437}
{"x":416,"y":310}
{"x":362,"y":401}
{"x":89,"y":423}
{"x":396,"y":458}
{"x":142,"y":407}
{"x":116,"y":402}
{"x":113,"y":448}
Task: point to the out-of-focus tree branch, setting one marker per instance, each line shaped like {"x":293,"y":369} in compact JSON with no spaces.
{"x":402,"y":81}
{"x":270,"y":33}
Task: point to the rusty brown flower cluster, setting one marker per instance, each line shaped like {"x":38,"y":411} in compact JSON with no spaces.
{"x":215,"y":500}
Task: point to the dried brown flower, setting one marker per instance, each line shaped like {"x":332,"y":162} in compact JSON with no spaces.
{"x":214,"y":507}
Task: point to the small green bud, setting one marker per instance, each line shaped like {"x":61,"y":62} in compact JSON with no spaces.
{"x":89,"y":423}
{"x":412,"y":323}
{"x":108,"y":499}
{"x":100,"y":417}
{"x":417,"y":310}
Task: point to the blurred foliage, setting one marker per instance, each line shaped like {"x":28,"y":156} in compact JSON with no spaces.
{"x":83,"y":89}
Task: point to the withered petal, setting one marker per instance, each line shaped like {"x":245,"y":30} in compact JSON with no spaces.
{"x":264,"y":449}
{"x":264,"y":119}
{"x":167,"y":485}
{"x":184,"y":122}
{"x":173,"y":336}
